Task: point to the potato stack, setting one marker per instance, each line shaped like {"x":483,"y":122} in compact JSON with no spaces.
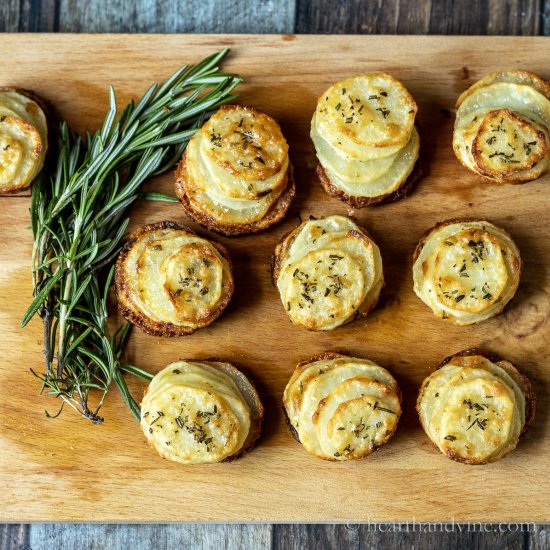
{"x":170,"y":281}
{"x":365,"y":139}
{"x":23,"y":138}
{"x":502,"y":127}
{"x":328,"y":273}
{"x":466,"y":270}
{"x":340,"y":407}
{"x":475,"y":407}
{"x":235,"y":176}
{"x":197,"y":412}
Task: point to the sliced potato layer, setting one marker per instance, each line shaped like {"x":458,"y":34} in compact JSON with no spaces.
{"x":170,"y":281}
{"x":364,"y":136}
{"x":328,"y":271}
{"x":200,"y":411}
{"x":235,"y":171}
{"x":366,"y":117}
{"x":340,"y":407}
{"x":474,"y":409}
{"x":466,"y":271}
{"x":502,"y":127}
{"x":23,"y":140}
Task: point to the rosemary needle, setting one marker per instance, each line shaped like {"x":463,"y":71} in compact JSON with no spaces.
{"x":78,"y":219}
{"x":160,"y":197}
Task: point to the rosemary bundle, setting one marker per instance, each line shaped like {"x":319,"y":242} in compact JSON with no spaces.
{"x":78,"y":219}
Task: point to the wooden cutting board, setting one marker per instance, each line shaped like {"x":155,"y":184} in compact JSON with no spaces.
{"x":69,"y":470}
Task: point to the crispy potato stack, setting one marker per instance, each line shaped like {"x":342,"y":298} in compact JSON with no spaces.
{"x":23,"y":139}
{"x":328,"y":272}
{"x":235,"y":176}
{"x":364,"y":136}
{"x":170,"y":281}
{"x":198,"y":412}
{"x":466,"y":270}
{"x":340,"y":407}
{"x":475,"y":407}
{"x":502,"y":127}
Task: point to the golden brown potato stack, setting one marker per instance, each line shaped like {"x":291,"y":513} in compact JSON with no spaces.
{"x":365,"y":139}
{"x":197,"y":412}
{"x":235,"y":176}
{"x":340,"y":407}
{"x":466,"y":270}
{"x":475,"y":407}
{"x":328,"y":273}
{"x":502,"y":127}
{"x":23,"y":138}
{"x":170,"y":281}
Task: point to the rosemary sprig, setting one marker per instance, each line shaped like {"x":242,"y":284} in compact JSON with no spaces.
{"x":78,"y":219}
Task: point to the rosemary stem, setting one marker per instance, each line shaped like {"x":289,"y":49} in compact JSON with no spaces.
{"x":78,"y":221}
{"x":63,"y":312}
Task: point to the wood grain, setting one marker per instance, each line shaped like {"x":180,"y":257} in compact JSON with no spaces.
{"x":513,"y":17}
{"x":197,"y":537}
{"x":14,"y":537}
{"x":165,"y":16}
{"x":107,"y":473}
{"x":402,"y":537}
{"x":545,"y":16}
{"x":161,"y":16}
{"x":278,"y":537}
{"x":29,"y":15}
{"x":414,"y":18}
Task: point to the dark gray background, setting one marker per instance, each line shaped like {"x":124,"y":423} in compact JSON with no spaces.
{"x":501,"y":17}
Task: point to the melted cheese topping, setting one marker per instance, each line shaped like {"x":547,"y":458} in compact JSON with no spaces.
{"x":467,"y":271}
{"x":472,"y":409}
{"x":174,"y":276}
{"x":329,"y":273}
{"x":23,"y":140}
{"x":236,"y":166}
{"x":364,"y":136}
{"x":342,"y":408}
{"x":502,"y":127}
{"x":193,"y":413}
